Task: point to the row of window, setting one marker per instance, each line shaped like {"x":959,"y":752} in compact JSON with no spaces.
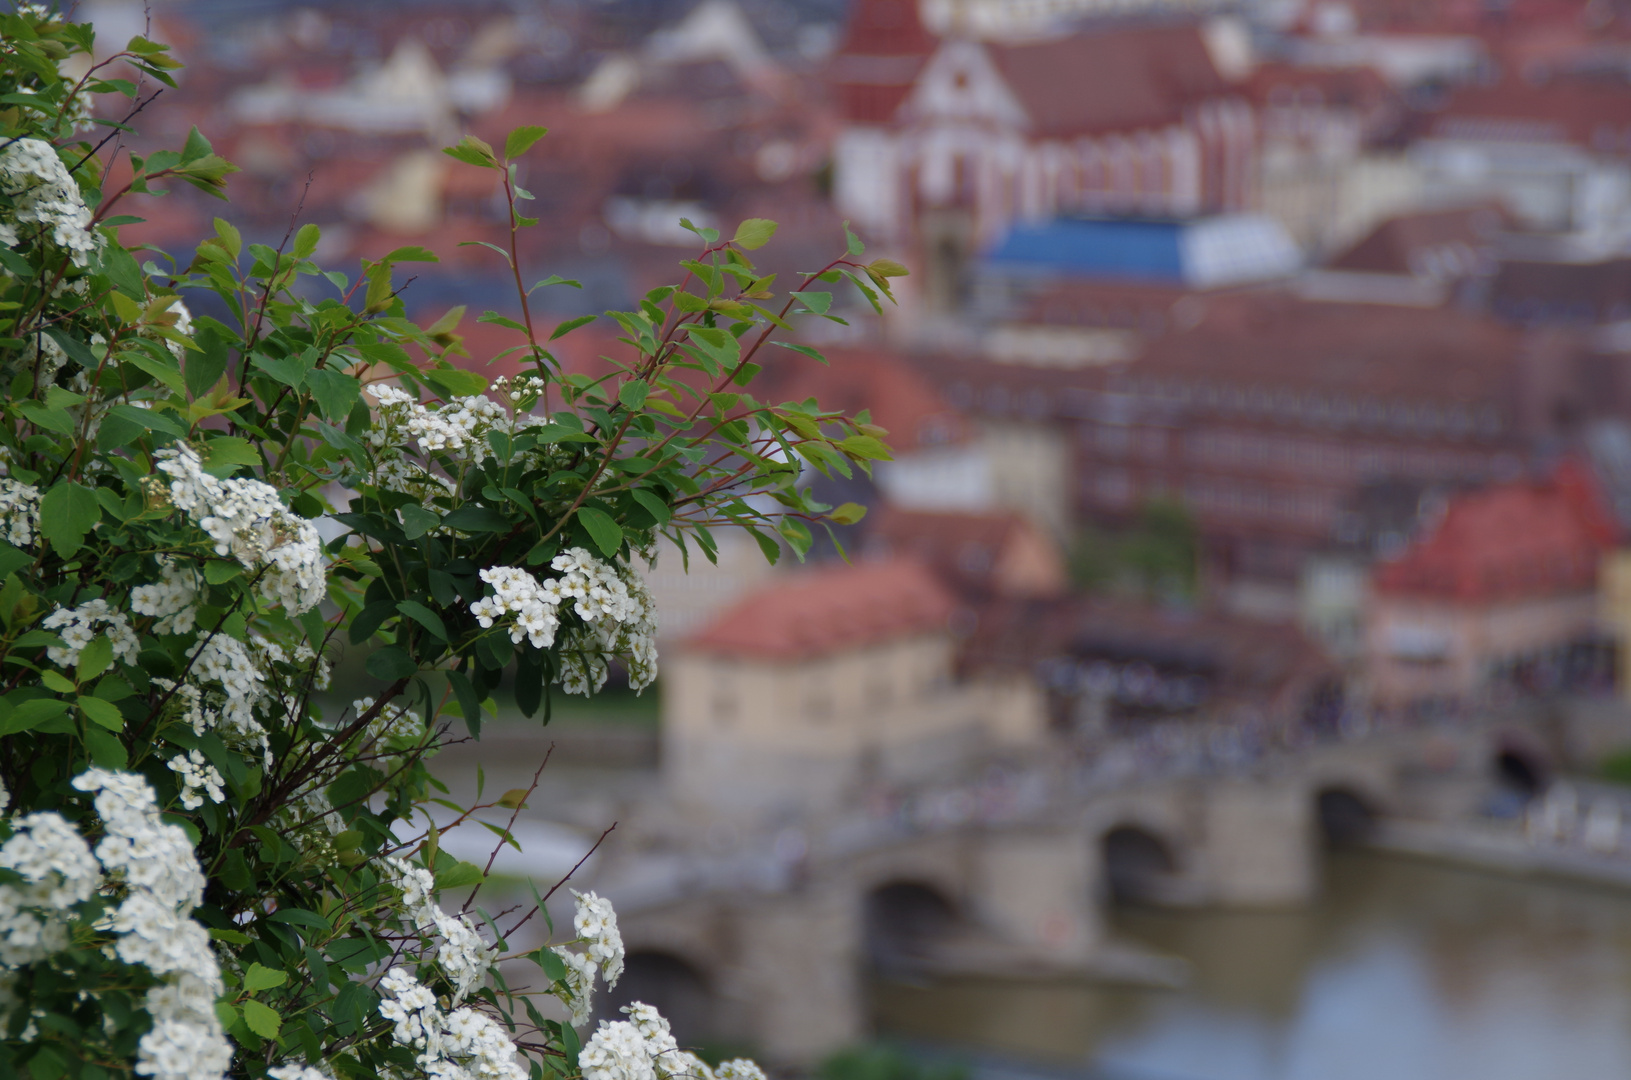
{"x":1423,"y":418}
{"x":1338,"y":461}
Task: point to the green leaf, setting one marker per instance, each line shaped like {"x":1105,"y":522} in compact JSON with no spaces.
{"x":105,"y":713}
{"x":458,"y":876}
{"x":887,"y":268}
{"x":305,"y":241}
{"x":390,"y":663}
{"x":554,"y":279}
{"x":226,"y":454}
{"x":335,"y":392}
{"x":655,"y":506}
{"x":105,"y":750}
{"x":94,"y":658}
{"x":55,"y":680}
{"x":472,"y":151}
{"x":288,"y":370}
{"x":853,"y":241}
{"x":68,"y":511}
{"x":514,"y":799}
{"x":520,"y":140}
{"x":424,"y":616}
{"x":754,"y":233}
{"x":606,"y":533}
{"x":417,"y":521}
{"x":455,"y":382}
{"x":847,"y":514}
{"x":12,"y":559}
{"x":221,"y":571}
{"x":31,"y":714}
{"x":469,"y":701}
{"x":139,"y":422}
{"x":166,"y":370}
{"x":412,"y":253}
{"x":632,"y":394}
{"x":572,"y":324}
{"x":236,"y":937}
{"x":550,"y":961}
{"x":476,"y":519}
{"x":261,"y":1018}
{"x":260,"y":977}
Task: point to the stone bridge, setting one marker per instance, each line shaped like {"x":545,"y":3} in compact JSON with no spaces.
{"x":771,"y":944}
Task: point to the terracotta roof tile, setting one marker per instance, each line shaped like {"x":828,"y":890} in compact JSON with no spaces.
{"x":1509,"y":542}
{"x":1118,"y":80}
{"x":829,"y":609}
{"x":973,"y":554}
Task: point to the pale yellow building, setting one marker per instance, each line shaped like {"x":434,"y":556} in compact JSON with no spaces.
{"x":824,"y":685}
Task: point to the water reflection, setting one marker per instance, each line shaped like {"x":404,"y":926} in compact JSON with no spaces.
{"x":1404,"y":972}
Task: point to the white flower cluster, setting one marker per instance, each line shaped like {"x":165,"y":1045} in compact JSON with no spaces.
{"x":58,"y":872}
{"x":79,"y":626}
{"x":461,"y":424}
{"x":228,"y":705}
{"x":456,"y":430}
{"x":196,"y":773}
{"x":297,"y":1072}
{"x":643,"y":1048}
{"x":393,"y":722}
{"x":462,"y":1045}
{"x":43,"y":194}
{"x":462,"y":954}
{"x":596,"y":925}
{"x":163,"y":883}
{"x":246,"y":520}
{"x":616,"y":608}
{"x":173,"y":598}
{"x":19,"y":512}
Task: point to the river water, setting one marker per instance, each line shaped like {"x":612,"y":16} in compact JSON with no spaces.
{"x":1403,"y":971}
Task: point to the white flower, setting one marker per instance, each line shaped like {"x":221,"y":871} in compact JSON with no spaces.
{"x":44,"y":195}
{"x":596,"y":924}
{"x":298,"y":1072}
{"x":580,"y":984}
{"x":58,"y":872}
{"x":247,"y":521}
{"x":463,"y":1045}
{"x":174,"y":598}
{"x":19,"y":512}
{"x":616,"y":1051}
{"x":79,"y":626}
{"x":196,"y":772}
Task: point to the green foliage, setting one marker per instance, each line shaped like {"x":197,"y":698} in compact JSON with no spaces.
{"x":880,"y":1061}
{"x":1616,"y":768}
{"x":1157,"y":558}
{"x":167,"y":609}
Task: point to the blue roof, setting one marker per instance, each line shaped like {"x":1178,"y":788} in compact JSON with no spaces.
{"x":1147,"y":250}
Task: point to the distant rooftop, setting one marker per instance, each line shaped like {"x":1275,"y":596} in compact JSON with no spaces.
{"x":1203,"y":253}
{"x":827,"y":610}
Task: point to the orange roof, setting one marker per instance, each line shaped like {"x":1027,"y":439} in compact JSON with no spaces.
{"x":1508,"y":542}
{"x":1000,"y":553}
{"x":828,"y":609}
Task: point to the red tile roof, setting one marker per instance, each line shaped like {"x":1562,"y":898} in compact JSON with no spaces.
{"x":884,"y":48}
{"x":1400,"y":244}
{"x":1509,"y":542}
{"x":829,"y":609}
{"x":1116,"y":80}
{"x":1590,"y":113}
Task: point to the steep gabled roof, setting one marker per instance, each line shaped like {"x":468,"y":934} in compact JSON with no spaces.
{"x":1110,"y":80}
{"x":884,"y":48}
{"x":1509,"y":542}
{"x":826,"y":610}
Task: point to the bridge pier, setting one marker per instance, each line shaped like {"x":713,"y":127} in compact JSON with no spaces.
{"x":1034,"y":888}
{"x":1260,"y":843}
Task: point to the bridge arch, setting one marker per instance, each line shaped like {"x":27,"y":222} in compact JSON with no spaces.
{"x":1519,"y":765}
{"x":1345,"y":813}
{"x":1140,"y":864}
{"x":679,"y":989}
{"x":902,"y":922}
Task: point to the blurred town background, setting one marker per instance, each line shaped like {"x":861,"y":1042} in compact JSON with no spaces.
{"x":1229,"y":680}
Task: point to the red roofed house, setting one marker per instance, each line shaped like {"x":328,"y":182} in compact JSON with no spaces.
{"x":1130,"y":120}
{"x":1505,"y":581}
{"x":821,"y":684}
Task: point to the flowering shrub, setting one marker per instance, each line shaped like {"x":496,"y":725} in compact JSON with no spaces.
{"x":202,"y":873}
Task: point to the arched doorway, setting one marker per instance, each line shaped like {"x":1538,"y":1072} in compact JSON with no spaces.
{"x":1138,"y":865}
{"x":674,"y":986}
{"x":902,"y":923}
{"x":1345,"y":817}
{"x":1519,"y":771}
